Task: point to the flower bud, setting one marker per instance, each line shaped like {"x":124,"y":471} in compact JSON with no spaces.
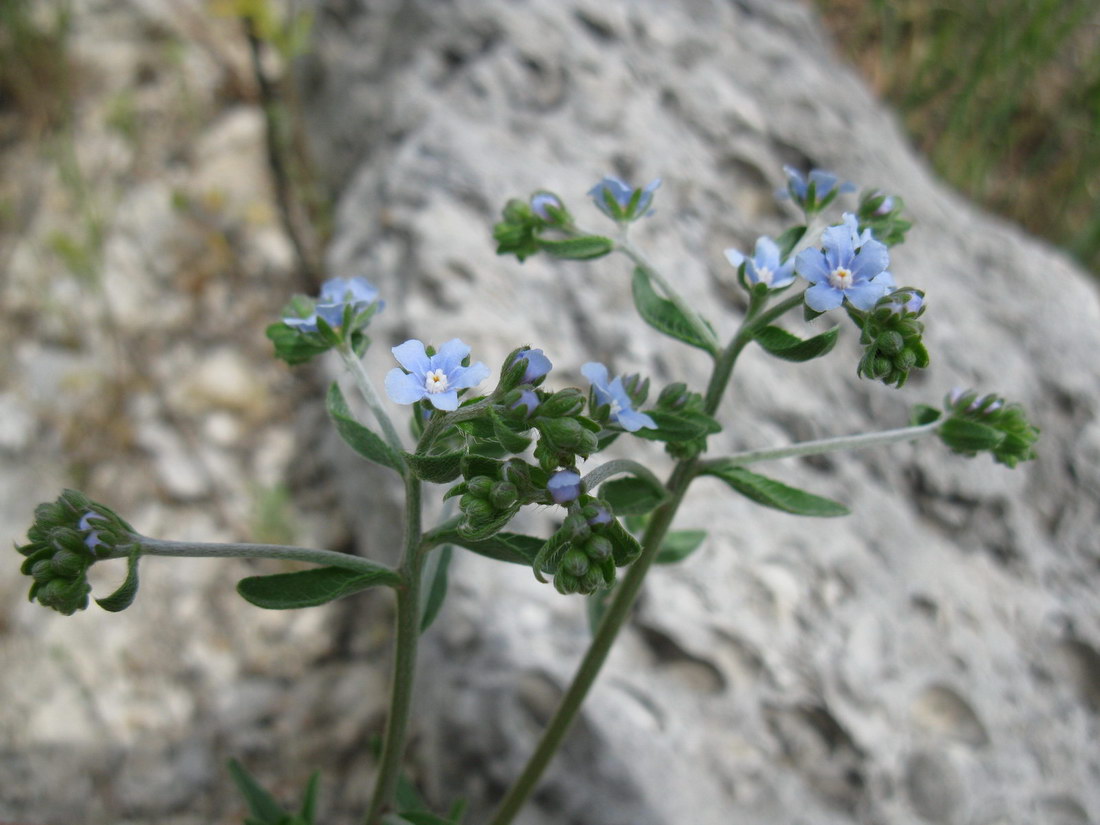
{"x":564,"y":486}
{"x":598,"y":548}
{"x":890,"y":342}
{"x":480,"y":487}
{"x":563,"y":404}
{"x":503,"y":495}
{"x":476,"y":509}
{"x":576,"y":527}
{"x":548,"y":207}
{"x":565,"y":583}
{"x":673,"y":397}
{"x":594,"y":580}
{"x":575,"y":563}
{"x":523,"y":403}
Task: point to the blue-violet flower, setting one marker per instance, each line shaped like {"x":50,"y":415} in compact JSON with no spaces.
{"x":538,"y":365}
{"x":613,"y":393}
{"x":435,"y":378}
{"x":613,"y":196}
{"x":541,"y":200}
{"x":764,"y":267}
{"x":564,"y":486}
{"x":336,"y":295}
{"x":824,"y":184}
{"x":845,"y":270}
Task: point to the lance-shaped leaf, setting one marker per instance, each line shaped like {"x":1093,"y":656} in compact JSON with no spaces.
{"x":124,"y":596}
{"x":678,"y":545}
{"x":358,"y":437}
{"x":309,"y":588}
{"x":436,"y":591}
{"x":578,"y":249}
{"x":789,"y":347}
{"x":678,"y":425}
{"x":436,"y":468}
{"x":515,"y":548}
{"x":774,"y":494}
{"x":632,"y":496}
{"x":262,"y":805}
{"x":625,"y":547}
{"x":663,"y":315}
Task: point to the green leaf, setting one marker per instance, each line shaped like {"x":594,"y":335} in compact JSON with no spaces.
{"x":680,"y":425}
{"x":663,"y":315}
{"x":308,"y":811}
{"x":512,"y":441}
{"x":436,"y":468}
{"x":578,"y":249}
{"x":309,"y":588}
{"x":678,"y":545}
{"x":923,"y":414}
{"x":359,"y":438}
{"x":124,"y":596}
{"x":515,"y":548}
{"x":437,"y":590}
{"x":789,"y":240}
{"x":424,"y":818}
{"x":262,"y":804}
{"x":631,"y":495}
{"x":625,"y":547}
{"x":293,"y":346}
{"x":775,"y":494}
{"x":783,"y":344}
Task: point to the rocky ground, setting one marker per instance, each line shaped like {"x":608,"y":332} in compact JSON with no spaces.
{"x":932,"y":658}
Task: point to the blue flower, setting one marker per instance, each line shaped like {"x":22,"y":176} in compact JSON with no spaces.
{"x":564,"y":486}
{"x":538,"y":365}
{"x":541,"y":200}
{"x":824,"y":184}
{"x":613,"y":196}
{"x":529,"y":400}
{"x":336,"y":295}
{"x":92,"y":541}
{"x":764,"y":267}
{"x":435,"y":378}
{"x":614,"y":394}
{"x":845,"y":270}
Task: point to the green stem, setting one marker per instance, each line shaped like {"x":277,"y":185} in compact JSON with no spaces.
{"x":625,"y":595}
{"x":613,"y":468}
{"x":828,"y":445}
{"x":189,"y":549}
{"x":371,"y":396}
{"x":617,"y":613}
{"x":406,"y":638}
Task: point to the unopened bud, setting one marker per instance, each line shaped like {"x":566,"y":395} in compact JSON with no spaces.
{"x":598,"y":548}
{"x":575,"y":563}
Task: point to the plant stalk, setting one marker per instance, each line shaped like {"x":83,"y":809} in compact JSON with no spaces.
{"x":406,"y":637}
{"x":189,"y":549}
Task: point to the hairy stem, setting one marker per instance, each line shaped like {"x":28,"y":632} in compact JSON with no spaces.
{"x":189,"y":549}
{"x":406,"y":638}
{"x":371,"y":396}
{"x":828,"y":445}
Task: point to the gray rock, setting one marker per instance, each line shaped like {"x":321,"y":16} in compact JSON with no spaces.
{"x":791,"y":671}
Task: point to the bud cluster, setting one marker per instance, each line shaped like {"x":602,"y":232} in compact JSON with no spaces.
{"x":881,"y":213}
{"x":522,"y":222}
{"x":492,"y":493}
{"x":564,"y":434}
{"x":677,"y":398}
{"x":67,"y":537}
{"x":986,"y":423}
{"x":891,"y":337}
{"x":585,"y":552}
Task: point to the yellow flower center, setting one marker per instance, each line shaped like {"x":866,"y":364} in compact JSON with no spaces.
{"x":435,"y":382}
{"x":841,"y":278}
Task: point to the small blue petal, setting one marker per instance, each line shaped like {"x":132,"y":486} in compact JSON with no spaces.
{"x":866,"y":295}
{"x":822,"y":297}
{"x":464,"y":377}
{"x":810,"y":264}
{"x":412,"y":356}
{"x":404,"y":387}
{"x":631,"y":420}
{"x":538,"y":365}
{"x":446,"y":401}
{"x":767,"y":253}
{"x":450,"y":355}
{"x":734,"y":257}
{"x":596,"y":373}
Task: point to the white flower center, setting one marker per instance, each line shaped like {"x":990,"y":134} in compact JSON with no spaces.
{"x":841,"y":278}
{"x":764,"y":275}
{"x":435,"y":382}
{"x":616,"y":408}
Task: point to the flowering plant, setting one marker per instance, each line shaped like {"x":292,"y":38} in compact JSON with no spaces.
{"x":520,"y":443}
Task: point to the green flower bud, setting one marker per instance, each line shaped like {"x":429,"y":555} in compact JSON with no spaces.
{"x":565,"y":583}
{"x":480,"y":487}
{"x":598,"y":548}
{"x":503,"y":494}
{"x":594,"y":580}
{"x":890,"y":342}
{"x":576,"y":526}
{"x":575,"y":563}
{"x":562,"y":404}
{"x":673,"y":397}
{"x":43,"y":571}
{"x":68,"y":564}
{"x":476,"y":509}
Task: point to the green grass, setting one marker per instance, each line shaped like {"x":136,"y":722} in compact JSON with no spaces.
{"x":1002,"y":95}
